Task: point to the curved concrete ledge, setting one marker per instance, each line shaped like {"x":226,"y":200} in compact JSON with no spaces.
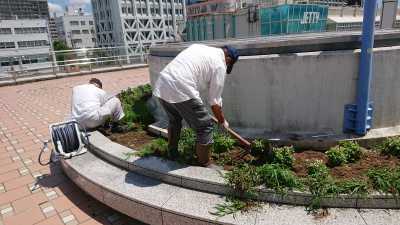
{"x":143,"y":198}
{"x":211,"y":181}
{"x":156,"y":203}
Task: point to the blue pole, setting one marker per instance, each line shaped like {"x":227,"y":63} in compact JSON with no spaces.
{"x":366,"y":66}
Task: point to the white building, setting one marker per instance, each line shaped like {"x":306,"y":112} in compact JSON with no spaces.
{"x":53,"y":28}
{"x":77,"y":30}
{"x":351,"y":18}
{"x":24,"y":44}
{"x":138,"y":24}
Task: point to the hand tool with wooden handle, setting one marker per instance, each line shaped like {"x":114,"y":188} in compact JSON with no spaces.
{"x":243,"y":142}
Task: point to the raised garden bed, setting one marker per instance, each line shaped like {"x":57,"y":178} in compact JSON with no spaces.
{"x":346,"y":169}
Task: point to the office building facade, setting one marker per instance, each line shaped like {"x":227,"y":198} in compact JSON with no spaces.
{"x":24,"y":35}
{"x":138,"y":24}
{"x":77,"y":30}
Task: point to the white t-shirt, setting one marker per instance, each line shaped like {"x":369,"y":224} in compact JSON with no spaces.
{"x":86,"y":101}
{"x":197,"y":68}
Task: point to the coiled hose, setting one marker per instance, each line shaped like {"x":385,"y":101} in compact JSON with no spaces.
{"x":64,"y":136}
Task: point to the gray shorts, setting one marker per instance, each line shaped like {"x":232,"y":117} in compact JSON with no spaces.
{"x":195,"y":114}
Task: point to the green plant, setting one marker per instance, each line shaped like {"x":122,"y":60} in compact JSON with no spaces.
{"x":336,"y":156}
{"x":230,"y":206}
{"x":158,"y":147}
{"x":352,"y":150}
{"x":320,"y":184}
{"x":283,"y":156}
{"x":243,"y":179}
{"x":276,"y":177}
{"x":134,"y":102}
{"x":258,"y":147}
{"x":344,"y":152}
{"x":317,"y":168}
{"x":222,"y":142}
{"x":353,"y":187}
{"x":385,"y":180}
{"x":187,"y":145}
{"x":391,"y":146}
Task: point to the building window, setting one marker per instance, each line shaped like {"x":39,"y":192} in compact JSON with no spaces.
{"x":83,"y":23}
{"x":77,"y":41}
{"x":30,"y":44}
{"x":74,"y":23}
{"x":91,"y":22}
{"x":76,"y":32}
{"x":5,"y":30}
{"x":85,"y":31}
{"x":30,"y":30}
{"x":7,"y":45}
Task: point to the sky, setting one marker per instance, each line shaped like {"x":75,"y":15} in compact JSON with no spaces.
{"x":58,"y":6}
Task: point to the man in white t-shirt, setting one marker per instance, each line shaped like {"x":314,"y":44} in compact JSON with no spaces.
{"x":92,"y":107}
{"x":199,"y":67}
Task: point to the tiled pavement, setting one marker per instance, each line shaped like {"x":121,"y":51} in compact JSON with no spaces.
{"x":33,"y":194}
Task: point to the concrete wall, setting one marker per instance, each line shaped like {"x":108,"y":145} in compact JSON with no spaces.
{"x":304,"y":92}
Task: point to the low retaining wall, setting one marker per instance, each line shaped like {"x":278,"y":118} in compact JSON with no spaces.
{"x":211,"y":180}
{"x":303,"y":93}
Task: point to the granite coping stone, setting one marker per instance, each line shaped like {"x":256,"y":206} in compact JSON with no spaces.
{"x":137,"y":195}
{"x":212,"y":181}
{"x":294,"y":43}
{"x":153,"y":202}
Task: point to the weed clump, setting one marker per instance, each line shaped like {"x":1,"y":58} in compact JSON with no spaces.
{"x":243,"y":180}
{"x":187,"y":145}
{"x":158,"y":147}
{"x":336,"y":156}
{"x":134,"y":104}
{"x":222,"y":142}
{"x":278,"y":178}
{"x":352,"y":150}
{"x":320,"y":183}
{"x":391,"y":146}
{"x":283,"y":156}
{"x":353,"y":187}
{"x":385,"y":180}
{"x":345,"y":152}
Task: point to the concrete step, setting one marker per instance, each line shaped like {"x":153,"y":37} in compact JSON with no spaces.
{"x":154,"y":202}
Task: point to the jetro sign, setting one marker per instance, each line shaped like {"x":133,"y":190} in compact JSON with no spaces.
{"x":310,"y":17}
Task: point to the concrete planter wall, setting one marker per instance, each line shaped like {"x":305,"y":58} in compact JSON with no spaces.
{"x":303,"y":93}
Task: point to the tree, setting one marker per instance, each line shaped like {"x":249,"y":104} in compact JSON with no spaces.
{"x":60,"y":46}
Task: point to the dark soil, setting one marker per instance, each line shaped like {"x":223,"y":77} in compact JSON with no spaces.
{"x":302,"y":160}
{"x":357,"y":170}
{"x":138,"y":138}
{"x":369,"y":160}
{"x":134,"y":139}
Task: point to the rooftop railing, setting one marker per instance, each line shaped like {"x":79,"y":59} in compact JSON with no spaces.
{"x":69,"y":62}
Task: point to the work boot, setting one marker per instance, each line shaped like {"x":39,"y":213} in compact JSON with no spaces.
{"x":119,"y":128}
{"x":203,"y":153}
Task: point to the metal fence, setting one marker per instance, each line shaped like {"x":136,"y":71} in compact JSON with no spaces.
{"x":68,"y":62}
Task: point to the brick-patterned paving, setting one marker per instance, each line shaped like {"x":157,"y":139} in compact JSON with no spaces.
{"x":33,"y":194}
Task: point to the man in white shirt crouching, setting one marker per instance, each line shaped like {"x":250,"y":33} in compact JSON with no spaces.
{"x":199,"y":67}
{"x":92,"y":107}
